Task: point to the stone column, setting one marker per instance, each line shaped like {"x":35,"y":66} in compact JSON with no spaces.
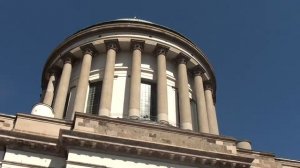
{"x":83,"y":82}
{"x":183,"y":94}
{"x":200,"y":99}
{"x":108,"y":78}
{"x":162,"y":92}
{"x":62,"y":90}
{"x":48,"y":98}
{"x":211,"y":110}
{"x":135,"y":81}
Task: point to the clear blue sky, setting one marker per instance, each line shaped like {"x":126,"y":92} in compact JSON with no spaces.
{"x":253,"y":46}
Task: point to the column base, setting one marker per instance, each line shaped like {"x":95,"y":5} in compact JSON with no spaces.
{"x":104,"y":112}
{"x":163,"y":117}
{"x":186,"y":125}
{"x":134,"y":113}
{"x":163,"y":122}
{"x":134,"y":117}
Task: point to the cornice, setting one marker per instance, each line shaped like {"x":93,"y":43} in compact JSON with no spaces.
{"x":46,"y":119}
{"x":152,"y":150}
{"x":7,"y":116}
{"x":4,"y":162}
{"x":252,"y":152}
{"x":19,"y":140}
{"x":288,"y":162}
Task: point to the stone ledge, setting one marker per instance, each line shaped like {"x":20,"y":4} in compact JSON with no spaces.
{"x":13,"y":164}
{"x":41,"y":126}
{"x":7,"y":116}
{"x":29,"y":142}
{"x":83,"y":164}
{"x":288,"y":162}
{"x":267,"y":154}
{"x":7,"y":122}
{"x":90,"y":141}
{"x":52,"y":120}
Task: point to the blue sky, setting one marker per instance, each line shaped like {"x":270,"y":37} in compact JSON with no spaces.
{"x":253,"y":46}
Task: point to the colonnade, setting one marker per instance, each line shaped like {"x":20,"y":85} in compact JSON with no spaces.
{"x":203,"y":89}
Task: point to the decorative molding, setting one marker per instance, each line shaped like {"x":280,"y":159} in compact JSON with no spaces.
{"x":13,"y":164}
{"x":208,"y":85}
{"x":198,"y":71}
{"x":132,"y":148}
{"x":137,"y":45}
{"x":21,"y":140}
{"x":89,"y":49}
{"x":68,"y":58}
{"x":182,"y":58}
{"x":161,"y":49}
{"x":53,"y":71}
{"x":112,"y":44}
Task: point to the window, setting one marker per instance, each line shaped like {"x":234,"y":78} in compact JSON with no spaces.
{"x":66,"y":104}
{"x":194,"y":115}
{"x":148,"y":101}
{"x":177,"y":112}
{"x":69,"y":114}
{"x":94,"y":98}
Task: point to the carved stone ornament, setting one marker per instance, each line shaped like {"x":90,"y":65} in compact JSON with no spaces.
{"x":208,"y":85}
{"x":182,"y":58}
{"x":67,"y":58}
{"x":89,"y":49}
{"x":198,"y":71}
{"x":160,"y":49}
{"x":53,"y":72}
{"x":112,"y":44}
{"x":137,"y":45}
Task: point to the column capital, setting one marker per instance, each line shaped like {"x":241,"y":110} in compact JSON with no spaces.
{"x":208,"y":85}
{"x":161,"y":49}
{"x":182,"y":58}
{"x":89,"y":49}
{"x":137,"y":45}
{"x":54,"y":71}
{"x":68,"y":58}
{"x":198,"y":71}
{"x":112,"y":44}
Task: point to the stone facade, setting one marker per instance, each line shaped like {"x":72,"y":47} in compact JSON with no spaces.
{"x":95,"y":141}
{"x":176,"y":127}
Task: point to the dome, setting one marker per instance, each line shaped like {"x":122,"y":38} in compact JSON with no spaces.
{"x":133,"y":69}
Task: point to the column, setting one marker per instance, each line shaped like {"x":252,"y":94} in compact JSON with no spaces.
{"x":162,"y":93}
{"x":211,"y":110}
{"x":62,"y":90}
{"x":83,"y":82}
{"x":48,"y":98}
{"x":200,"y":99}
{"x":183,"y":94}
{"x":108,"y":78}
{"x":135,"y":80}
